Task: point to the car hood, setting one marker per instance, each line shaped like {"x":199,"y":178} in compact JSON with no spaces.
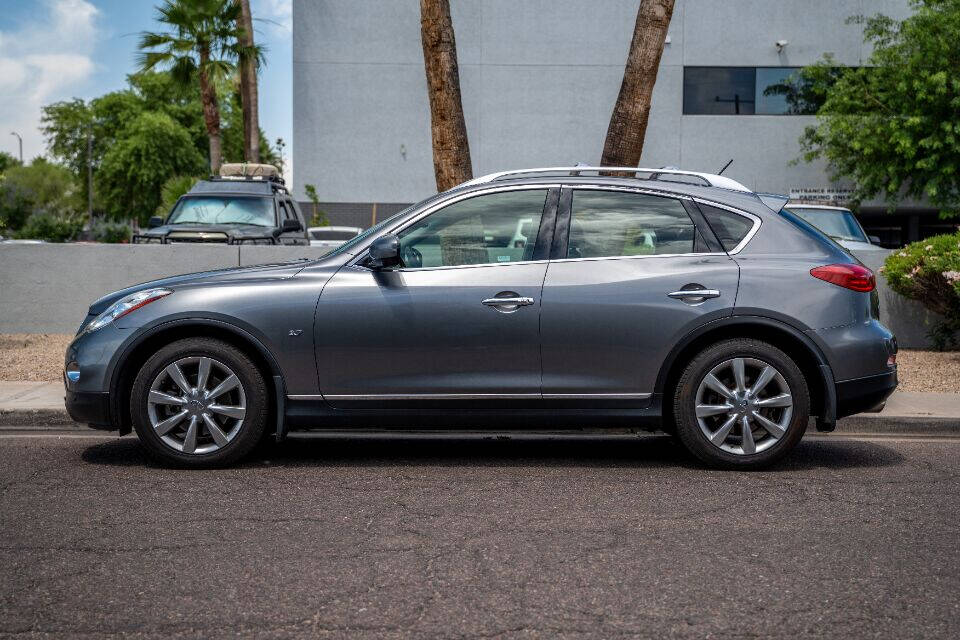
{"x":259,"y":272}
{"x":232,"y":231}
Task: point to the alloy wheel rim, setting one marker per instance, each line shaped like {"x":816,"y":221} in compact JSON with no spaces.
{"x":744,"y":406}
{"x":196,"y":405}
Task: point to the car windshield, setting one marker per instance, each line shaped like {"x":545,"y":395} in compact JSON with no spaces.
{"x":255,"y":211}
{"x":839,"y":224}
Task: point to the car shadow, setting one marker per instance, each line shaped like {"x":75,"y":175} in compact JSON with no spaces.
{"x":647,"y":451}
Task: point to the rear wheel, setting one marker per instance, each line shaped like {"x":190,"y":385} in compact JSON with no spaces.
{"x":199,"y":403}
{"x":741,"y":404}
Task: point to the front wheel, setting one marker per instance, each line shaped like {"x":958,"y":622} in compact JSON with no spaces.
{"x":199,"y":402}
{"x":741,"y":404}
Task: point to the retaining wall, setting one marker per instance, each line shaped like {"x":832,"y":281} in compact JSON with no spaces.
{"x":47,"y":288}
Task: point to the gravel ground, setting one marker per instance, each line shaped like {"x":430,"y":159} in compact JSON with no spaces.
{"x":929,"y":371}
{"x":25,"y":356}
{"x":32,"y":356}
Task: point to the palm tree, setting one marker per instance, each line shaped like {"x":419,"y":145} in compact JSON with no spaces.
{"x":451,"y":150}
{"x":201,"y":46}
{"x":628,"y":122}
{"x":249,"y":96}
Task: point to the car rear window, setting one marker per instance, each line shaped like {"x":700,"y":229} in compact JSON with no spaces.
{"x":731,"y":228}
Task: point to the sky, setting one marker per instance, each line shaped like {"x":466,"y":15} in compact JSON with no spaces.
{"x":54,"y":50}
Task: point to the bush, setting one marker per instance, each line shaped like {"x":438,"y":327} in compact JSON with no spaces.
{"x":107,"y":231}
{"x":171,"y":191}
{"x":929,"y":271}
{"x":44,"y":224}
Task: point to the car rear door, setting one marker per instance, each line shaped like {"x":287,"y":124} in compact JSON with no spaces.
{"x":631,"y":273}
{"x":458,"y":324}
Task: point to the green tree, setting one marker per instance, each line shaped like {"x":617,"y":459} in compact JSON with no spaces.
{"x":200,"y":47}
{"x":172,"y":190}
{"x":41,"y":185}
{"x":319,"y":216}
{"x":147,"y":153}
{"x":7,"y":161}
{"x":893,"y":125}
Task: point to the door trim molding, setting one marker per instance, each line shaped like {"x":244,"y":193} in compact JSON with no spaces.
{"x":473,"y":396}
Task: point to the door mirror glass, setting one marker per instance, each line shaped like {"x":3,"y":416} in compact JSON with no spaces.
{"x":874,"y":239}
{"x":155,"y":221}
{"x":384,"y":252}
{"x":289,"y":224}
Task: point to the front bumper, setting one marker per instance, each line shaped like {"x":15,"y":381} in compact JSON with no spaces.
{"x":89,"y":406}
{"x":864,"y":394}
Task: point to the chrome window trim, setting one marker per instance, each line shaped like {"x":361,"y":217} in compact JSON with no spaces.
{"x":646,"y":257}
{"x":402,"y":225}
{"x":757,"y":222}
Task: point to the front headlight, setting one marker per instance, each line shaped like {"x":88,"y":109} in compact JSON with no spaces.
{"x":124,"y":306}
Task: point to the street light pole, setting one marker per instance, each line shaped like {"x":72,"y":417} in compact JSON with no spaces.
{"x":14,"y":133}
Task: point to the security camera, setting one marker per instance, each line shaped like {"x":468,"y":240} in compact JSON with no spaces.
{"x":780,"y":44}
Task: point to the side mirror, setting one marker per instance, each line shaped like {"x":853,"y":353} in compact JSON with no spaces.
{"x":874,"y":239}
{"x":384,"y":252}
{"x":155,"y":221}
{"x":289,"y":224}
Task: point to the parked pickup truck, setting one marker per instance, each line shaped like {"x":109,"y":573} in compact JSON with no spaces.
{"x":245,"y":204}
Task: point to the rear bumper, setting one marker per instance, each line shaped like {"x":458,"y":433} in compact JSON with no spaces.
{"x":90,"y":407}
{"x":863,"y":394}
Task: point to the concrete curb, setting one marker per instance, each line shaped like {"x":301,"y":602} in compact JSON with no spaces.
{"x":44,"y":419}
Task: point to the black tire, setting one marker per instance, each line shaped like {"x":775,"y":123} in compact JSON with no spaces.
{"x":254,"y":388}
{"x":685,"y":399}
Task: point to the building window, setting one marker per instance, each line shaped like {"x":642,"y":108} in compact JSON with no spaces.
{"x":745,"y":91}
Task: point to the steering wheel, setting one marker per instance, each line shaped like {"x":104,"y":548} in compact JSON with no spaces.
{"x":410,"y":257}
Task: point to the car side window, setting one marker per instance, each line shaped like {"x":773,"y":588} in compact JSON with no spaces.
{"x":615,"y":223}
{"x":731,"y":228}
{"x":495,"y":228}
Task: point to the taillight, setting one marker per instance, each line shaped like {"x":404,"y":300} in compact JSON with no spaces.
{"x":849,"y":276}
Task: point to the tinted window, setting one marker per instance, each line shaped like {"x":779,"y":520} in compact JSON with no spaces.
{"x":729,"y":227}
{"x":495,"y":228}
{"x":749,"y":90}
{"x":719,"y":90}
{"x":838,"y":224}
{"x":224,"y":210}
{"x":611,"y":223}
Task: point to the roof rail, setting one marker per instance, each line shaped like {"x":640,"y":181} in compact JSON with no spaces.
{"x":707,"y":179}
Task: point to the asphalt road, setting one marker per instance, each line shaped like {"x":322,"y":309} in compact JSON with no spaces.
{"x":463,"y":538}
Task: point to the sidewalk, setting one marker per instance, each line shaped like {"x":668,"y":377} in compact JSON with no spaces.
{"x":41,"y":404}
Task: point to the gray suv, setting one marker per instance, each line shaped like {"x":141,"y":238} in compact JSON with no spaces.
{"x":541,"y":299}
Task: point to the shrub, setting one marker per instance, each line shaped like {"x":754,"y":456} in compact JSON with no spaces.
{"x":44,"y":224}
{"x":107,"y":231}
{"x":929,"y":271}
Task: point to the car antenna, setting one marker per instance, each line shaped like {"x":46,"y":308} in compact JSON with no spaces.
{"x":720,"y":173}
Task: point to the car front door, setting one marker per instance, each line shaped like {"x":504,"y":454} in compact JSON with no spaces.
{"x":457,"y":323}
{"x":613,"y":299}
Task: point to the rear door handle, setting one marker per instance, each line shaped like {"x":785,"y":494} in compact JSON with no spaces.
{"x":694,"y":293}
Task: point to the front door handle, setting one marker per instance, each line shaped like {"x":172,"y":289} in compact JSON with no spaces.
{"x":521,"y":301}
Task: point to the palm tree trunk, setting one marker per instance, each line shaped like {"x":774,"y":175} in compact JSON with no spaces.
{"x":249,"y":96}
{"x":451,"y":149}
{"x":211,"y":114}
{"x":628,"y":123}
